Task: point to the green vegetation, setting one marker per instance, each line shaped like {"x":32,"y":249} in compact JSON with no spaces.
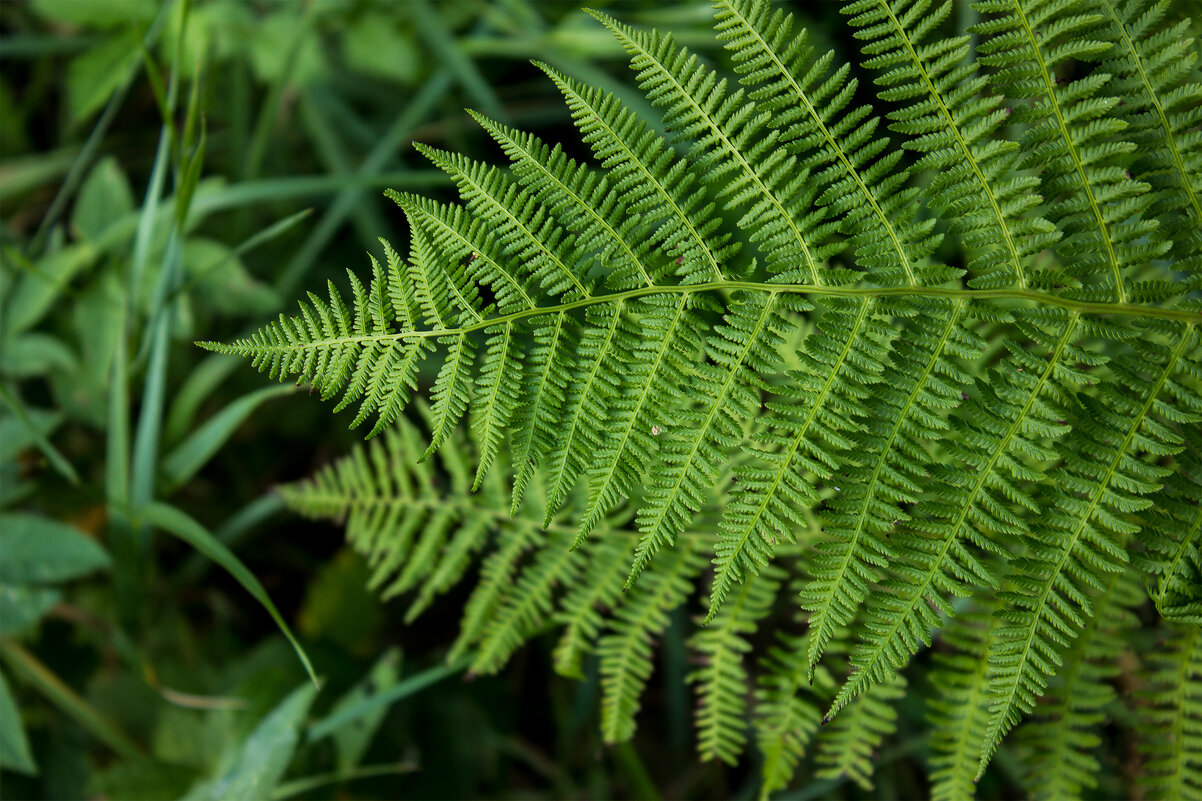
{"x":829,"y":402}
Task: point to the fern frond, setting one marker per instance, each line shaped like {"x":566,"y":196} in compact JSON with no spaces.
{"x":958,"y":713}
{"x":721,"y":681}
{"x":851,"y":741}
{"x":1064,"y":734}
{"x":974,"y":366}
{"x":1082,"y":532}
{"x":1170,"y":722}
{"x":733,"y":149}
{"x":626,"y":650}
{"x":581,"y":613}
{"x":947,"y":117}
{"x":1073,"y":137}
{"x":787,"y":712}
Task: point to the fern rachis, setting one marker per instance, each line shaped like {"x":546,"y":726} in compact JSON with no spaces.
{"x":974,"y":360}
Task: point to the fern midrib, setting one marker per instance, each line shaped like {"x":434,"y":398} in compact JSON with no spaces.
{"x":593,"y":510}
{"x":1169,"y":138}
{"x":1049,"y":90}
{"x":1067,"y":551}
{"x":334,"y":500}
{"x":664,"y":194}
{"x":733,"y":151}
{"x":1079,"y":306}
{"x":799,"y":437}
{"x":1167,"y":579}
{"x":965,"y":151}
{"x":588,"y":208}
{"x":703,"y":430}
{"x":851,"y":171}
{"x":557,"y":490}
{"x":920,"y":592}
{"x":469,"y":179}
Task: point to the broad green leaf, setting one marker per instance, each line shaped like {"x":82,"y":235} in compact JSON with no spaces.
{"x":368,"y":706}
{"x":35,"y":354}
{"x":223,"y":281}
{"x":97,"y":14}
{"x":377,"y":45}
{"x":95,"y":74}
{"x":21,"y":606}
{"x":14,"y":748}
{"x":40,"y":550}
{"x":173,"y":521}
{"x":104,"y":198}
{"x":264,"y":756}
{"x":38,"y":287}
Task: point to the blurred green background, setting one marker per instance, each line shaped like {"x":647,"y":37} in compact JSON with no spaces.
{"x":171,"y":172}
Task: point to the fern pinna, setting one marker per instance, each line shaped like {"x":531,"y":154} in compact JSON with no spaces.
{"x":899,"y":368}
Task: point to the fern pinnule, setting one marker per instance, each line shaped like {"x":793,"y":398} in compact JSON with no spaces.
{"x":582,"y":199}
{"x":527,"y":235}
{"x":1152,"y":64}
{"x":733,"y":149}
{"x":850,"y":742}
{"x":1170,"y":719}
{"x":649,"y":178}
{"x":1107,"y":473}
{"x":1172,"y":535}
{"x":946,"y":116}
{"x":656,"y":375}
{"x":740,"y":352}
{"x":1072,"y":137}
{"x":809,"y":104}
{"x":721,"y":680}
{"x":809,"y":426}
{"x":1064,"y":733}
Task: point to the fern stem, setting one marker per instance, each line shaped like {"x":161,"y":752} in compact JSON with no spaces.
{"x":1042,"y":298}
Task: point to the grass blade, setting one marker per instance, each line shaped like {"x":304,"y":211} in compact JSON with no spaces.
{"x":173,"y":521}
{"x":195,"y":451}
{"x":408,"y":687}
